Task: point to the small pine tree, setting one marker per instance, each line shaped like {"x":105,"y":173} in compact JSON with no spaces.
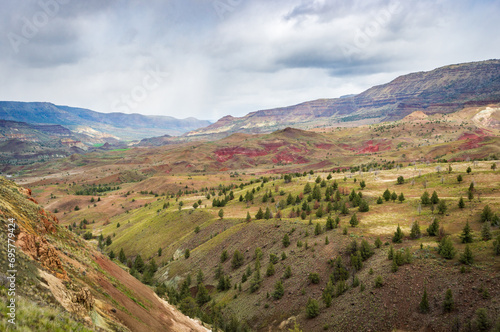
{"x":288,"y":272}
{"x":467,"y":257}
{"x":433,"y":228}
{"x":187,"y":253}
{"x":398,"y":236}
{"x":238,"y":259}
{"x":380,"y":200}
{"x":394,"y":196}
{"x":401,"y":197}
{"x":363,"y":206}
{"x":459,"y":178}
{"x":221,"y":213}
{"x":387,"y":195}
{"x":446,"y":248}
{"x":482,"y":322}
{"x":448,"y":304}
{"x":425,"y":199}
{"x":121,"y":256}
{"x":327,"y":241}
{"x":461,"y":203}
{"x":486,"y":231}
{"x":312,"y":308}
{"x":466,"y":235}
{"x":111,"y":255}
{"x":487,"y":214}
{"x":378,"y":243}
{"x":270,"y":269}
{"x":434,"y":198}
{"x":390,"y":254}
{"x":248,"y":218}
{"x":286,"y":240}
{"x":496,"y":245}
{"x":260,"y":214}
{"x":354,"y":220}
{"x":279,"y":290}
{"x":379,"y":282}
{"x":424,"y":303}
{"x":442,"y":208}
{"x":415,"y":230}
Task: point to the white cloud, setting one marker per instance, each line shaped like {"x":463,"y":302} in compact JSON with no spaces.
{"x":259,"y":54}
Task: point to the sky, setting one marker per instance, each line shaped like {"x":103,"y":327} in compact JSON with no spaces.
{"x":211,"y":58}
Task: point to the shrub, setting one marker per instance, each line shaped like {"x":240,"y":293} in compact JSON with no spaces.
{"x":467,"y":257}
{"x":224,"y":256}
{"x":448,"y":304}
{"x":378,"y":243}
{"x":286,"y":240}
{"x":312,"y":308}
{"x":270,"y":269}
{"x":415,"y":230}
{"x":442,"y":208}
{"x":401,"y":179}
{"x":446,"y":248}
{"x":398,"y":235}
{"x":187,"y":253}
{"x":314,"y":278}
{"x":354,"y":220}
{"x":466,"y":235}
{"x":379,"y":282}
{"x":482,"y":322}
{"x":433,"y":228}
{"x":288,"y":272}
{"x":424,"y":303}
{"x":279,"y":290}
{"x":238,"y":259}
{"x":425,"y":199}
{"x":380,"y":200}
{"x":363,"y":206}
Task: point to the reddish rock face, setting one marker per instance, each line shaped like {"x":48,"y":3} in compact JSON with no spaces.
{"x":224,"y":154}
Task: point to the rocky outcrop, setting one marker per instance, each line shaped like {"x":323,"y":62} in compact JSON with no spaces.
{"x":443,"y":90}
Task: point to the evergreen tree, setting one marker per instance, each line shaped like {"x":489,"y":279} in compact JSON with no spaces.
{"x":307,"y":188}
{"x":279,"y":290}
{"x":329,"y":223}
{"x":312,"y":308}
{"x":354,"y":220}
{"x":459,"y":178}
{"x":446,"y":248}
{"x":387,"y":195}
{"x":466,"y":235}
{"x":202,"y":295}
{"x":496,"y":245}
{"x":442,"y":207}
{"x":270,"y":269}
{"x":424,"y":303}
{"x":286,"y":240}
{"x":288,"y":272}
{"x":366,"y":250}
{"x":390,"y":254}
{"x":317,"y":229}
{"x":187,"y":253}
{"x":394,"y":196}
{"x":401,"y":180}
{"x":267,"y":214}
{"x":221,"y":213}
{"x":356,"y":261}
{"x":380,"y":200}
{"x":378,"y":243}
{"x":224,"y":256}
{"x":487,"y":214}
{"x":461,"y":203}
{"x":139,"y":264}
{"x":327,"y":294}
{"x":238,"y":259}
{"x":327,"y":241}
{"x":260,"y":214}
{"x":401,"y":197}
{"x":111,"y":255}
{"x":199,"y":277}
{"x":248,"y":218}
{"x":319,"y":212}
{"x":448,"y":304}
{"x":363,"y":206}
{"x":425,"y":199}
{"x":434,"y":198}
{"x":344,"y":210}
{"x":415,"y":230}
{"x":486,"y":231}
{"x":482,"y":322}
{"x":398,"y":236}
{"x":121,"y":256}
{"x":467,"y":258}
{"x":433,"y":228}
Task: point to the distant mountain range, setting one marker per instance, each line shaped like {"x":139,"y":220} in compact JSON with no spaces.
{"x":443,"y":90}
{"x":79,"y":120}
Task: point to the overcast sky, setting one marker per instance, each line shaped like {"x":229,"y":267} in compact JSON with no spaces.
{"x":210,"y":58}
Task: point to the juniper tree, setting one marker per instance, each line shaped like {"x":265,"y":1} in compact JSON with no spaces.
{"x":312,"y":308}
{"x":486,"y":231}
{"x":401,"y":197}
{"x":279,"y":290}
{"x":461,"y":203}
{"x":434,"y":198}
{"x":394,"y":196}
{"x":467,"y":258}
{"x":433,"y":228}
{"x":442,"y":207}
{"x":446,"y":248}
{"x":415,"y":232}
{"x":425,"y":199}
{"x":398,"y":235}
{"x":486,"y":214}
{"x":286,"y":240}
{"x":466,"y":235}
{"x":448,"y":304}
{"x":387,"y":195}
{"x":424,"y":303}
{"x":354,"y":220}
